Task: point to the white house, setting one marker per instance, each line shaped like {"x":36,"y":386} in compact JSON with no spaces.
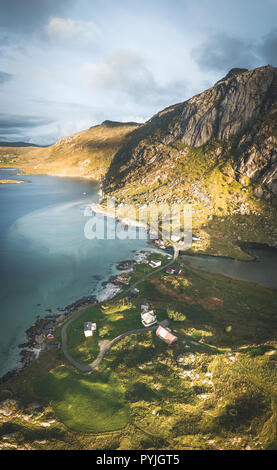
{"x":89,"y":328}
{"x":155,"y":263}
{"x":175,"y":238}
{"x":148,"y":318}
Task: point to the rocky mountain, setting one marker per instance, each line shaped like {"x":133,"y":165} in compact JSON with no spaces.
{"x":235,"y":121}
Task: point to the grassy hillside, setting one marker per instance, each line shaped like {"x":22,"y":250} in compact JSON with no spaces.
{"x":215,"y":389}
{"x":86,"y":154}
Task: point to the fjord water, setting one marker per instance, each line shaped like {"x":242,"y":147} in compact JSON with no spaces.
{"x":45,"y":260}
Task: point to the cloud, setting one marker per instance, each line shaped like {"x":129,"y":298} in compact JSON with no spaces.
{"x":28,"y":15}
{"x":127,"y":74}
{"x":221,"y":52}
{"x":68,"y":28}
{"x":5,"y":77}
{"x":268,"y":48}
{"x":16,"y":126}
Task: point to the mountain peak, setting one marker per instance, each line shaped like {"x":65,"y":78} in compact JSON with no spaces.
{"x":109,"y":123}
{"x":235,"y":71}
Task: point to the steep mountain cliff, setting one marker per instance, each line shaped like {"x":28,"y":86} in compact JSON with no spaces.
{"x":234,"y":121}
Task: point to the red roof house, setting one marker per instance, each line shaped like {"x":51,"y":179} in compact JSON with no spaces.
{"x":166,"y":335}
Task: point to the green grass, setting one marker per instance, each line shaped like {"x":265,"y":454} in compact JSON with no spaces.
{"x":85,"y":403}
{"x":115,"y":319}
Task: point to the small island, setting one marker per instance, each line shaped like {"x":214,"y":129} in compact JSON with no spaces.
{"x":12,"y":181}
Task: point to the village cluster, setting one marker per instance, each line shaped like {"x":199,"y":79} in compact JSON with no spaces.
{"x":148,"y":319}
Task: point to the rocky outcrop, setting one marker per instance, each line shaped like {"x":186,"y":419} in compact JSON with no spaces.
{"x":238,"y":113}
{"x":229,"y":108}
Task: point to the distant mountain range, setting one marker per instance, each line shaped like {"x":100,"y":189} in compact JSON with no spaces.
{"x":20,"y":144}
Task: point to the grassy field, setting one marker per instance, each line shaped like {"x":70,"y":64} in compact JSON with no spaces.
{"x":90,"y":403}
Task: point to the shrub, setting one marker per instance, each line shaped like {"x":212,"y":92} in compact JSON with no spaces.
{"x":175,"y":316}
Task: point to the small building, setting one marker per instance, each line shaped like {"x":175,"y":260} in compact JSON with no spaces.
{"x":174,"y":271}
{"x":124,"y":279}
{"x":51,"y":333}
{"x":89,"y":328}
{"x":170,"y":270}
{"x":175,"y":238}
{"x":166,"y":335}
{"x":148,"y":318}
{"x":145,"y":308}
{"x":155,"y":263}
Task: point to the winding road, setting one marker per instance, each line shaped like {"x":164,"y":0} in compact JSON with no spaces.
{"x":106,"y":345}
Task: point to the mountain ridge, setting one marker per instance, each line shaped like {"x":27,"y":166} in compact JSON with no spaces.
{"x":224,"y":112}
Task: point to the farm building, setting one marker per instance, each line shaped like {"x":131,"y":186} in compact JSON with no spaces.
{"x":166,"y":335}
{"x":89,"y":328}
{"x":148,"y":318}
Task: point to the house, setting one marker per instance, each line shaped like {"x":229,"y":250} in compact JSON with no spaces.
{"x":148,"y":318}
{"x":173,"y":271}
{"x":170,"y":270}
{"x":166,"y":335}
{"x":175,"y":238}
{"x":124,"y":279}
{"x":196,"y":239}
{"x":155,"y":263}
{"x":51,"y":333}
{"x":89,"y":328}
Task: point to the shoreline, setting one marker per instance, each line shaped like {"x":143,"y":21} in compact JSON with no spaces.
{"x":31,"y":350}
{"x":33,"y":347}
{"x":98,"y":209}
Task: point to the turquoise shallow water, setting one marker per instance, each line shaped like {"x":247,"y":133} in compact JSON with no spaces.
{"x":44,"y":256}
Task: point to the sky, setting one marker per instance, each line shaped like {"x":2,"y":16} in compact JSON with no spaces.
{"x":66,"y":65}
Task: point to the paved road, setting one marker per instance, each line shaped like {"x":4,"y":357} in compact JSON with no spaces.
{"x":106,"y":345}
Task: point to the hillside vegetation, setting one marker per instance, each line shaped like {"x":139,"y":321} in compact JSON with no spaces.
{"x":85,"y":154}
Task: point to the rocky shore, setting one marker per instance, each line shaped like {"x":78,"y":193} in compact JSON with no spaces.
{"x":37,"y":333}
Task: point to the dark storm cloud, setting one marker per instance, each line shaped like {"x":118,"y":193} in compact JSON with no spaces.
{"x":5,"y":77}
{"x":221,"y":52}
{"x":268,"y":48}
{"x":28,"y":15}
{"x":12,"y":124}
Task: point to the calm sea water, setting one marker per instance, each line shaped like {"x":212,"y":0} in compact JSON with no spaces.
{"x":44,"y":256}
{"x":262,"y":271}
